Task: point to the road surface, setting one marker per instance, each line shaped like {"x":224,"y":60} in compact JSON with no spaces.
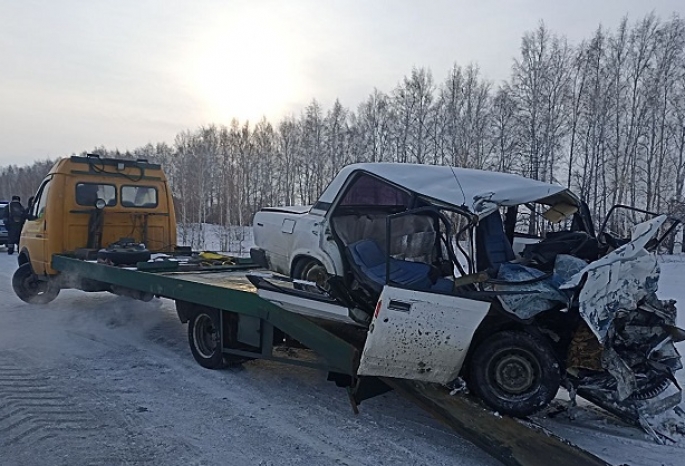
{"x":97,"y":379}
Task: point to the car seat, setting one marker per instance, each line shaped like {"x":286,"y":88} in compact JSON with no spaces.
{"x":368,"y":263}
{"x":492,"y":245}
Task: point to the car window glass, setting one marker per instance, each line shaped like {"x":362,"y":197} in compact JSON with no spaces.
{"x":88,"y":193}
{"x":3,"y":206}
{"x":38,"y":209}
{"x":368,"y":190}
{"x":138,"y":196}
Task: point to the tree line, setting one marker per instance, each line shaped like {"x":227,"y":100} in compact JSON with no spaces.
{"x":605,"y":117}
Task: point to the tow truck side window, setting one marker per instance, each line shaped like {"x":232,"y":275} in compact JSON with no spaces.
{"x":139,"y":196}
{"x":88,"y":193}
{"x":38,"y":207}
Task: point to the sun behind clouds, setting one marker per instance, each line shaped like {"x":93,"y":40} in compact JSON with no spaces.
{"x":245,"y":65}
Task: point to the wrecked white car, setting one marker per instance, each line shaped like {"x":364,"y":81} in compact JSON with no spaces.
{"x":490,"y":277}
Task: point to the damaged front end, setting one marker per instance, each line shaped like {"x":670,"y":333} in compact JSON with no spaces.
{"x":623,"y":356}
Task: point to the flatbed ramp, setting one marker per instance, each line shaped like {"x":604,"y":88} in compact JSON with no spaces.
{"x":511,"y":441}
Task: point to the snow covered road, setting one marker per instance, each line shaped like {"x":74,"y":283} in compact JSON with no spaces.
{"x":98,"y":379}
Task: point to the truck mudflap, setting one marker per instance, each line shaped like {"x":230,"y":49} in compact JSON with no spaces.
{"x":514,"y":442}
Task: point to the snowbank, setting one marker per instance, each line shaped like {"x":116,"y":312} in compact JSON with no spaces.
{"x":219,"y":238}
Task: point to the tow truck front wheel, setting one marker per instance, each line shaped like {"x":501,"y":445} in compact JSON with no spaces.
{"x":32,"y":289}
{"x":514,"y":373}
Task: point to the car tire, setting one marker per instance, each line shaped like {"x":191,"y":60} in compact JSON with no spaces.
{"x":30,"y":289}
{"x":205,"y":342}
{"x":514,"y":373}
{"x":310,"y":270}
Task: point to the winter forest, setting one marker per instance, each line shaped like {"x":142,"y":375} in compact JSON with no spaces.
{"x":605,"y":117}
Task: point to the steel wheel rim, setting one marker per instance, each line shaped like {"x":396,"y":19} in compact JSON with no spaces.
{"x":34,"y":285}
{"x":205,"y":336}
{"x":514,"y":371}
{"x":316,"y":273}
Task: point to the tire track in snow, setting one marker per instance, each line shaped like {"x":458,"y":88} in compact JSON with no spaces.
{"x":31,"y":409}
{"x":41,"y":419}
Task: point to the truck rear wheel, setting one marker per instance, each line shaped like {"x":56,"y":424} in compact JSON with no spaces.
{"x":205,"y":339}
{"x":514,"y":373}
{"x":30,"y":288}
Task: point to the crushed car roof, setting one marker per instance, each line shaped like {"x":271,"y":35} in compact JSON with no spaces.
{"x":479,"y":191}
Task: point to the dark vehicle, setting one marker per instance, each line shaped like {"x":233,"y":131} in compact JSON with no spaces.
{"x":3,"y":228}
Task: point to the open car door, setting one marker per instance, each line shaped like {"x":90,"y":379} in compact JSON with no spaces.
{"x":620,"y":220}
{"x":420,"y":335}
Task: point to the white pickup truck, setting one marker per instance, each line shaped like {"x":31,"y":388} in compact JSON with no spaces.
{"x":425,"y":257}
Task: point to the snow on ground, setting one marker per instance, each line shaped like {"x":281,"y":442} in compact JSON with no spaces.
{"x":100,"y":379}
{"x":97,"y":379}
{"x":210,"y":237}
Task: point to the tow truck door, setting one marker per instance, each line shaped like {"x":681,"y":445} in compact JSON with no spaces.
{"x":34,"y":234}
{"x":419,"y":335}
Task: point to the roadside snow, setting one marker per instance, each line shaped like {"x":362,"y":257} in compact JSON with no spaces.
{"x":210,"y":237}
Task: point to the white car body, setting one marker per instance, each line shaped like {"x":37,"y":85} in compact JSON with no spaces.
{"x":420,"y":336}
{"x":287,"y":234}
{"x":386,"y":236}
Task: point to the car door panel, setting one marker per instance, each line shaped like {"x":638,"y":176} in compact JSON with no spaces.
{"x":420,"y":336}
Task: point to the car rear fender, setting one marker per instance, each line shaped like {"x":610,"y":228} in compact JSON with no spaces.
{"x":311,"y":254}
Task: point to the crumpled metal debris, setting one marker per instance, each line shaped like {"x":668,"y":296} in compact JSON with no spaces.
{"x":534,"y":298}
{"x":619,"y":280}
{"x":623,"y":356}
{"x":530,"y":299}
{"x":635,"y":329}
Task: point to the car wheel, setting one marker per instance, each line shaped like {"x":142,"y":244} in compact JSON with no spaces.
{"x":514,"y":373}
{"x":30,"y":288}
{"x":311,"y":270}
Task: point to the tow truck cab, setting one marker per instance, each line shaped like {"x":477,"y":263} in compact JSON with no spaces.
{"x":87,"y":203}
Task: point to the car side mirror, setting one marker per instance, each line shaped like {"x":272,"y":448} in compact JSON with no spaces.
{"x":100,"y":203}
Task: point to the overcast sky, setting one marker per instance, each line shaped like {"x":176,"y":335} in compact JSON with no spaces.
{"x":75,"y":74}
